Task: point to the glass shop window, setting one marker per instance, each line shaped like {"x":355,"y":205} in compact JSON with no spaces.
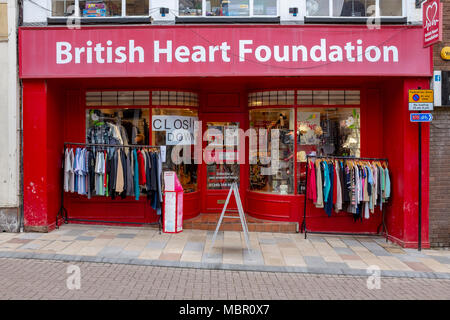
{"x":172,"y":127}
{"x":272,"y":173}
{"x":227,"y":8}
{"x":326,"y":132}
{"x":265,"y":7}
{"x":222,"y":169}
{"x":117,"y":126}
{"x":62,"y":8}
{"x":96,"y":9}
{"x":190,"y":7}
{"x":317,"y":8}
{"x":137,"y":7}
{"x":354,"y":8}
{"x":391,"y":8}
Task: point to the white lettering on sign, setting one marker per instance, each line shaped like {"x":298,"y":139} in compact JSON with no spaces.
{"x":166,"y":52}
{"x":65,"y":54}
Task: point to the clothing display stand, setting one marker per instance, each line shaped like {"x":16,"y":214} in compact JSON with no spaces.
{"x":303,"y":227}
{"x":63,"y":211}
{"x":234,"y":189}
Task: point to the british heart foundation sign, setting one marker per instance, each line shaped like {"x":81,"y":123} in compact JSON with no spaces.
{"x":432,"y":22}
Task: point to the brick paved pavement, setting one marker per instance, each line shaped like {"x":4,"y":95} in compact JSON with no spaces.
{"x":43,"y":279}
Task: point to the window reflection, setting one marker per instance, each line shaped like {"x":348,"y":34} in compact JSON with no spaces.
{"x":165,"y":122}
{"x":63,"y":7}
{"x":326,"y":132}
{"x":117,"y":126}
{"x":227,"y":8}
{"x":190,"y":7}
{"x":94,"y":9}
{"x":267,"y":174}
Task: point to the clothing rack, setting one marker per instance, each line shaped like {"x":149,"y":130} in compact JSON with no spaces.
{"x":303,"y":227}
{"x":63,"y":211}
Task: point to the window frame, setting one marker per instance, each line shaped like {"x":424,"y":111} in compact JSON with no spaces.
{"x":377,"y":12}
{"x":250,"y":6}
{"x":123,"y":11}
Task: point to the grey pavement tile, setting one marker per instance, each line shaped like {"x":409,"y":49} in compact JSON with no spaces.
{"x":344,"y":251}
{"x":337,"y":265}
{"x":33,"y":235}
{"x":316,"y":239}
{"x":267,"y":241}
{"x":212,"y":258}
{"x":110,"y":251}
{"x":75,"y":233}
{"x":444,"y":260}
{"x":253,"y":257}
{"x":406,"y":258}
{"x":130,"y":254}
{"x":210,"y":234}
{"x":415,"y":253}
{"x":282,"y":240}
{"x":126,"y":235}
{"x":194,"y":246}
{"x":315,"y":262}
{"x":32,"y":246}
{"x":84,"y":238}
{"x":352,"y":243}
{"x":156,"y":244}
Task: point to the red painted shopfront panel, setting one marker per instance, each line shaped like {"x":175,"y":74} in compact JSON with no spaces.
{"x":212,"y":50}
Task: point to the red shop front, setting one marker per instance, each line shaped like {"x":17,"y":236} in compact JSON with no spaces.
{"x":228,"y":78}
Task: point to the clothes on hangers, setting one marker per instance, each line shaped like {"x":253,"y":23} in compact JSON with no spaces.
{"x":351,"y":185}
{"x":113,"y":172}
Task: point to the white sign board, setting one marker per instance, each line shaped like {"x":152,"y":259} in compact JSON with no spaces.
{"x":179,"y":129}
{"x":421,"y":106}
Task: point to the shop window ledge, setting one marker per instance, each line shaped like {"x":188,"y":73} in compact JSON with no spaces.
{"x":354,"y":20}
{"x":227,"y":20}
{"x":102,"y":20}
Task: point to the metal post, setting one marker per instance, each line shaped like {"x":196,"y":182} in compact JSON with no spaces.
{"x":420,"y":187}
{"x":306,"y":191}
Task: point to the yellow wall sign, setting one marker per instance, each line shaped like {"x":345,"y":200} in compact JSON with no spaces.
{"x":421,"y":96}
{"x":445,"y":53}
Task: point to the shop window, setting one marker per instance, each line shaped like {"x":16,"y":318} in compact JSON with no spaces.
{"x":265,"y":7}
{"x":391,"y":8}
{"x":137,"y":7}
{"x":166,"y":132}
{"x":222,"y":168}
{"x":328,"y":97}
{"x":317,"y":7}
{"x":272,"y":173}
{"x":326,"y":132}
{"x":354,"y":8}
{"x":117,"y":126}
{"x":117,"y":98}
{"x":95,"y":9}
{"x":174,"y":98}
{"x":63,"y":8}
{"x":271,"y":98}
{"x":227,"y":8}
{"x":190,"y":7}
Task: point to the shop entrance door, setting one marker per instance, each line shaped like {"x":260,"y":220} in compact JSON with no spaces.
{"x":220,"y":159}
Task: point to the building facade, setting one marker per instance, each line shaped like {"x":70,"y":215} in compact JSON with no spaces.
{"x":333,"y":76}
{"x":439,"y":147}
{"x":10,"y":120}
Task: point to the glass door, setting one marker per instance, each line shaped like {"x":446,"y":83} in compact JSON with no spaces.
{"x":221,"y":155}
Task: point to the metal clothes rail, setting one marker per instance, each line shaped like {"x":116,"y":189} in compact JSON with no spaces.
{"x":303,"y":227}
{"x":63,"y":211}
